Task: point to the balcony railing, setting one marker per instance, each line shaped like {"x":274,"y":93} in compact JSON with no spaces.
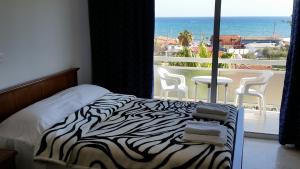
{"x":232,"y":61}
{"x":273,"y":92}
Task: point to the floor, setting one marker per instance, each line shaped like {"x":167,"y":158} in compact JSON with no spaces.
{"x":255,"y":122}
{"x":269,"y":154}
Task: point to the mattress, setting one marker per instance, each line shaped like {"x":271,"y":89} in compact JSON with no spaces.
{"x":122,"y":131}
{"x":24,"y":158}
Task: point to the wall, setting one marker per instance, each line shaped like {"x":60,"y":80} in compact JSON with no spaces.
{"x":41,"y":37}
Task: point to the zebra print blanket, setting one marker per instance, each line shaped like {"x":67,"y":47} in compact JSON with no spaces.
{"x":122,"y":131}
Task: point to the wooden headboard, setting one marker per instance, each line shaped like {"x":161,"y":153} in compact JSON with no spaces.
{"x":20,"y":96}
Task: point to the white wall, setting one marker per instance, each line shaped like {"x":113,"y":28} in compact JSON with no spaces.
{"x":41,"y":37}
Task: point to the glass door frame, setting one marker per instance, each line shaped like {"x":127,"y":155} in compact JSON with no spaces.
{"x":214,"y":71}
{"x":215,"y":56}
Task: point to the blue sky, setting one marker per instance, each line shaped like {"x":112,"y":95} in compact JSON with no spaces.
{"x":198,"y":8}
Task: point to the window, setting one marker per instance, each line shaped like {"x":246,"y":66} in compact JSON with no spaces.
{"x":253,"y":38}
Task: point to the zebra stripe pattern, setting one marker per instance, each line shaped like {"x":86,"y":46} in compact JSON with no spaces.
{"x":122,"y":131}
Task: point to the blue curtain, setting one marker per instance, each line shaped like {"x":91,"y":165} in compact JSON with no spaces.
{"x":122,"y":35}
{"x":289,"y":130}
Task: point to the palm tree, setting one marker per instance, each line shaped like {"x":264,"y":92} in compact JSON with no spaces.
{"x":185,"y":38}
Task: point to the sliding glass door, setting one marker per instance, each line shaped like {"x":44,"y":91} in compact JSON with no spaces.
{"x":216,"y":46}
{"x":254,"y":38}
{"x":184,"y":47}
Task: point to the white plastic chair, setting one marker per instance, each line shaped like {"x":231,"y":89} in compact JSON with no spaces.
{"x":172,"y":83}
{"x":245,"y":89}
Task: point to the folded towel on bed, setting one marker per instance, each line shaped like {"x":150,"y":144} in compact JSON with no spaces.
{"x":212,"y":108}
{"x":207,"y":123}
{"x":204,"y":128}
{"x":199,"y":138}
{"x":209,"y":116}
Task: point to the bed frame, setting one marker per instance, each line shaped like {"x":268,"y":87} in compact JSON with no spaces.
{"x":237,"y":162}
{"x":20,"y":96}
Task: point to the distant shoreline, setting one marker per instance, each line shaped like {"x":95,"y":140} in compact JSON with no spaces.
{"x":243,"y":26}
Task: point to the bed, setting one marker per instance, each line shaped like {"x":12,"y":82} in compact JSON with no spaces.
{"x":117,"y":131}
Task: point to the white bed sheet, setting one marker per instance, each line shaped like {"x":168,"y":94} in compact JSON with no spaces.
{"x":24,"y":158}
{"x":22,"y":130}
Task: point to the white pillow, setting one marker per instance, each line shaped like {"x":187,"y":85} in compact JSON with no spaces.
{"x":28,"y":124}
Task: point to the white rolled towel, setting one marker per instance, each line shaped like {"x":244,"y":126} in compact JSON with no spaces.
{"x":212,"y":108}
{"x":209,"y":116}
{"x":204,"y":128}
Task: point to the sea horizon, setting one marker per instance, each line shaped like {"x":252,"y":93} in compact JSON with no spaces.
{"x":213,"y":16}
{"x":240,"y":25}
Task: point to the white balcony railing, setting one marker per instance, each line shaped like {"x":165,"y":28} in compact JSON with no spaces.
{"x":232,"y":61}
{"x":274,"y":89}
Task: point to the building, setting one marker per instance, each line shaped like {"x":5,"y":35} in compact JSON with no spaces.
{"x":230,"y":41}
{"x":260,"y":39}
{"x":165,"y":40}
{"x":252,"y":47}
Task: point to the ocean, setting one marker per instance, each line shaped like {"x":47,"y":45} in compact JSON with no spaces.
{"x":243,"y":26}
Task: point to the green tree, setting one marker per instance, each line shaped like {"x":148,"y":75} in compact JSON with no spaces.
{"x":185,"y":38}
{"x":185,"y":52}
{"x":226,"y":56}
{"x":275,"y":52}
{"x":250,"y":55}
{"x":204,"y":53}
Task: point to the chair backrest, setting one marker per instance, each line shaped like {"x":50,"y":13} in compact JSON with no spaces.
{"x":265,"y":77}
{"x":163,"y":73}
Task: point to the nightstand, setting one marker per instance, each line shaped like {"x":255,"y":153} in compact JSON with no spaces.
{"x":7,"y":159}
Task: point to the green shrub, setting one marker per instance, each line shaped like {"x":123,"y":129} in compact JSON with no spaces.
{"x":226,"y":56}
{"x":185,"y":52}
{"x":204,"y":53}
{"x":275,"y":52}
{"x":249,"y":55}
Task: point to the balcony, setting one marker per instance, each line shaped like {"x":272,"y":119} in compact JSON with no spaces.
{"x":254,"y":120}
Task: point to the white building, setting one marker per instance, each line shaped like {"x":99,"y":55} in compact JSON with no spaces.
{"x":252,"y":47}
{"x":238,"y":51}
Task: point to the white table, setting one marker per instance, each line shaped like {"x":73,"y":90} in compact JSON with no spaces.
{"x":207,"y":80}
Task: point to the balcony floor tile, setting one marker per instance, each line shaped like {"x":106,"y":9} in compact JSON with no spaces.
{"x":255,"y":122}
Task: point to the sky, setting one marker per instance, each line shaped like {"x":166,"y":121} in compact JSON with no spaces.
{"x":202,"y":8}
